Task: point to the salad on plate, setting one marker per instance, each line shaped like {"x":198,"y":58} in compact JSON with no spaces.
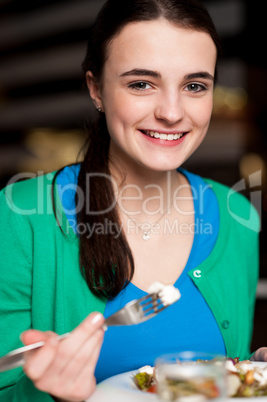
{"x":243,"y":379}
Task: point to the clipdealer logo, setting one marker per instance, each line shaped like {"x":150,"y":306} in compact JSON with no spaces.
{"x":254,"y":182}
{"x":250,"y":221}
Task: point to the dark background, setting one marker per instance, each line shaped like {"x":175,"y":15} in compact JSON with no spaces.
{"x":44,"y":105}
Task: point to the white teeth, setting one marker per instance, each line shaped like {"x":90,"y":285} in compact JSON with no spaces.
{"x":168,"y":137}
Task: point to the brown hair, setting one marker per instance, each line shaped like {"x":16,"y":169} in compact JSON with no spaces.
{"x":106,"y":261}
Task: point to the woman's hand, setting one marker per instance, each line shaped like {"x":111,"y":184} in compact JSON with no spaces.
{"x":65,"y":369}
{"x":260,"y":355}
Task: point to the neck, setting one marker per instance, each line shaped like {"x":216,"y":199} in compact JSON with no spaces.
{"x":141,"y":192}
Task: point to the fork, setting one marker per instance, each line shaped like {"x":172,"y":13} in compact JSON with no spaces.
{"x":134,"y":312}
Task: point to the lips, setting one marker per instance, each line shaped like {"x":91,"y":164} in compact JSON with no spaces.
{"x":163,"y":136}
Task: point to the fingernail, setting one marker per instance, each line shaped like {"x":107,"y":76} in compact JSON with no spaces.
{"x":97,"y":318}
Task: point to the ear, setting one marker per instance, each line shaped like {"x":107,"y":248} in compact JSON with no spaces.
{"x":94,"y":90}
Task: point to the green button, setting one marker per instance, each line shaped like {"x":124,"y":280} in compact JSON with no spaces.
{"x":225,"y":324}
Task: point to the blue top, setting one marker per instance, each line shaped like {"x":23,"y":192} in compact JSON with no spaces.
{"x":186,"y":325}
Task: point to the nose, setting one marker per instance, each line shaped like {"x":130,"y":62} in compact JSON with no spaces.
{"x":169,"y":108}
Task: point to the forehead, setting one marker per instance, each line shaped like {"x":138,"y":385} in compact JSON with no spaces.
{"x":158,"y":44}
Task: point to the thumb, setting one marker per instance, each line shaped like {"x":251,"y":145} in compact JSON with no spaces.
{"x":33,"y":335}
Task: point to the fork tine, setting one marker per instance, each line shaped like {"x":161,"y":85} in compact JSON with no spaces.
{"x":137,"y":311}
{"x":149,"y":302}
{"x":157,"y":311}
{"x":152,"y":314}
{"x":146,"y":297}
{"x":156,"y":308}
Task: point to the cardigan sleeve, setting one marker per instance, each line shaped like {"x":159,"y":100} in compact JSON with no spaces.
{"x":16,"y":245}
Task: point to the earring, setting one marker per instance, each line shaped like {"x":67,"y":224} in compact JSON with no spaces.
{"x":99,"y":109}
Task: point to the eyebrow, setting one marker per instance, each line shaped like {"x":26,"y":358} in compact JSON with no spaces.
{"x":200,"y":74}
{"x":155,"y":74}
{"x":140,"y":71}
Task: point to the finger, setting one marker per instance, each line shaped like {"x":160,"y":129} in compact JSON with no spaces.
{"x":84,"y":357}
{"x":260,"y":354}
{"x":69,"y":346}
{"x":67,"y":350}
{"x":263,"y":354}
{"x":95,"y":355}
{"x":89,"y":368}
{"x":89,"y":325}
{"x":82,"y":384}
{"x":39,"y":361}
{"x":62,"y":382}
{"x":87,"y":376}
{"x":31,"y":336}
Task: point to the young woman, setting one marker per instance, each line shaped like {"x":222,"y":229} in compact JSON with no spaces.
{"x":82,"y":242}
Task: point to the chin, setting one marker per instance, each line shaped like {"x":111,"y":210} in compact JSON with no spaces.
{"x":166,"y":167}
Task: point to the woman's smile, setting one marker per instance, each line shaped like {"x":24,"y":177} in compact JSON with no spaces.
{"x":168,"y":139}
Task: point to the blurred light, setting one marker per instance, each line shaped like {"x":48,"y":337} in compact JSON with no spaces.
{"x":251,"y":163}
{"x":236,"y":99}
{"x":229,"y":100}
{"x":51,"y":149}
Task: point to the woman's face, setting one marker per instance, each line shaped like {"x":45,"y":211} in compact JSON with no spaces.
{"x":156,"y":92}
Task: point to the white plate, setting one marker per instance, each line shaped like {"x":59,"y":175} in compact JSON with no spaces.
{"x":121,"y":388}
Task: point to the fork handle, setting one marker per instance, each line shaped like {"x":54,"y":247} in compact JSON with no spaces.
{"x":16,"y":357}
{"x":116,"y":319}
{"x":38,"y":345}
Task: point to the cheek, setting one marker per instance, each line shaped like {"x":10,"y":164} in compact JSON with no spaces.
{"x":120,"y":119}
{"x":122,"y":111}
{"x":201,"y":113}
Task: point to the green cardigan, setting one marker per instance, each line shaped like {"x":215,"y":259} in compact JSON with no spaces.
{"x":42,"y":288}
